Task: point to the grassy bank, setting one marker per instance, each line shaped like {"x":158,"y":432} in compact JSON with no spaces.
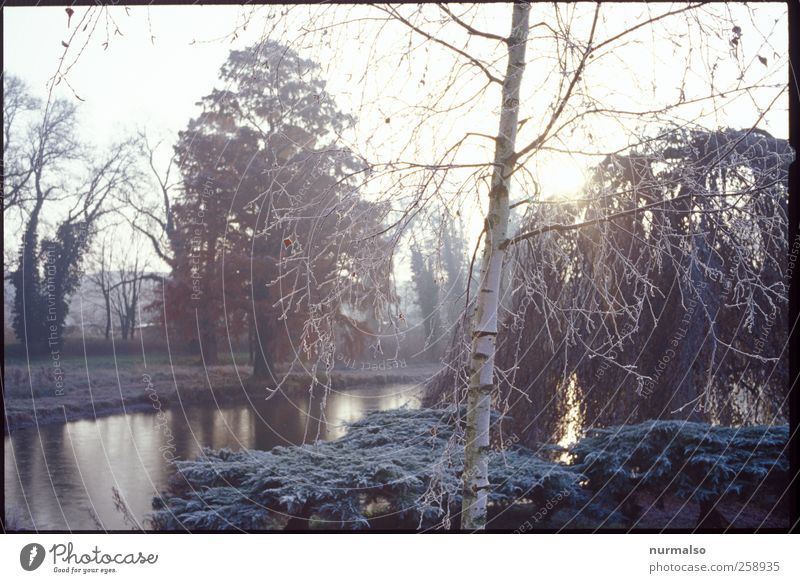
{"x":42,"y":391}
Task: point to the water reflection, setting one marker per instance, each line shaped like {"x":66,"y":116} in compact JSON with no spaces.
{"x":58,"y":476}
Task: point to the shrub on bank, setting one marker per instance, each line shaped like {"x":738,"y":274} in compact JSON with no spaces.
{"x":401,"y":465}
{"x":402,"y":469}
{"x":696,"y":462}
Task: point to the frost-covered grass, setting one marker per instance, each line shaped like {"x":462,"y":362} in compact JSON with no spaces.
{"x":103,"y":385}
{"x":391,"y":464}
{"x":400,"y":469}
{"x":84,"y":389}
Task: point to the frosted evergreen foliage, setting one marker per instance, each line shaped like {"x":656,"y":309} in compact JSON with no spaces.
{"x":384,"y":466}
{"x":400,"y":469}
{"x":690,"y":460}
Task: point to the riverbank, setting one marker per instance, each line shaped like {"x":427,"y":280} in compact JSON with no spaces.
{"x":40,"y":394}
{"x":388,"y":472}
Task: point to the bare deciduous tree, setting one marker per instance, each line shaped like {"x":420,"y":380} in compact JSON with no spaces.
{"x":565,"y":104}
{"x":127,"y":292}
{"x":17,"y":163}
{"x":119,"y":276}
{"x":463,"y":106}
{"x":55,"y":168}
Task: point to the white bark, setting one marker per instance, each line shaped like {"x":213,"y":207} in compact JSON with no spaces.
{"x":484,"y":329}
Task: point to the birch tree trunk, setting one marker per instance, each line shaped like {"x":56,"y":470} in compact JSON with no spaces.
{"x":484,"y":329}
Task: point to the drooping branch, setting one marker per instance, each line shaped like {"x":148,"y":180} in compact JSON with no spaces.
{"x":659,"y":206}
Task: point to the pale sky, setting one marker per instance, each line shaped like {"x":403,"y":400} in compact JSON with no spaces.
{"x":136,"y":82}
{"x":139,"y":82}
{"x":133,"y":82}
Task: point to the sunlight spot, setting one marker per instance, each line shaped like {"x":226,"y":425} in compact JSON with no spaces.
{"x":560,"y":177}
{"x":573,"y":421}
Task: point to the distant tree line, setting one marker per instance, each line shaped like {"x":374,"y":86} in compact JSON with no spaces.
{"x":59,"y":189}
{"x":439,"y":275}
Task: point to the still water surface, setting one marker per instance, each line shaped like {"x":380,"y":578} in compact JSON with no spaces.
{"x":57,"y":476}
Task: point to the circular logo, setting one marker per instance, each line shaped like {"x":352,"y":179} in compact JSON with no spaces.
{"x":31,"y":556}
